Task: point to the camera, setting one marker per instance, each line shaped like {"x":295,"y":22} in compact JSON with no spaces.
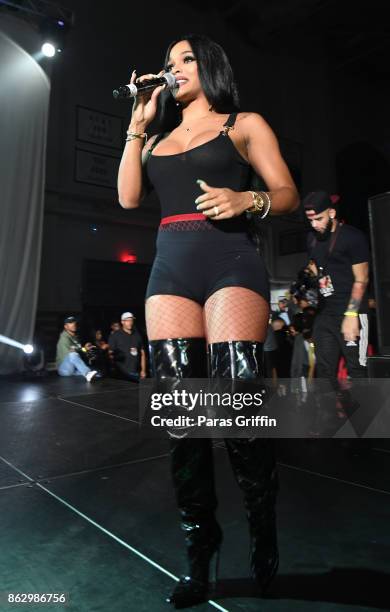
{"x":305,"y":286}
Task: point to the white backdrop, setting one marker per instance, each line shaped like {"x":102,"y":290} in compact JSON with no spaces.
{"x":24,"y":105}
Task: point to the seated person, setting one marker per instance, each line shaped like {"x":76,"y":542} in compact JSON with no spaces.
{"x":127,"y":351}
{"x":69,"y":348}
{"x":115,"y":326}
{"x":98,"y":355}
{"x":99,"y":341}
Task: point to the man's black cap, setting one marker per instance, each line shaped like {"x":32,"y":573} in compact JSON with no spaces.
{"x":319,"y":201}
{"x":70,"y":320}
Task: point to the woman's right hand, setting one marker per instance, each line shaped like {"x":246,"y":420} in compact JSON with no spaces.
{"x":145,"y":106}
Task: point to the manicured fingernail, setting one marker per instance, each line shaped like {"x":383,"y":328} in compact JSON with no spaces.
{"x":196,"y":201}
{"x":199,"y":181}
{"x":199,"y":207}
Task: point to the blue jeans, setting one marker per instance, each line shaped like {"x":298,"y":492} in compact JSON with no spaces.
{"x":73,"y":365}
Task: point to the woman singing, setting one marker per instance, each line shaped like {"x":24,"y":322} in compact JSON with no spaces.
{"x":207,"y":300}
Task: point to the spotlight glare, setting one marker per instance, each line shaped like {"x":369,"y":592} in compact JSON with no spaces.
{"x":48,"y":49}
{"x":28,"y":349}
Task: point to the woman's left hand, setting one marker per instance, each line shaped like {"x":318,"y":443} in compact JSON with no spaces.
{"x":220,"y":203}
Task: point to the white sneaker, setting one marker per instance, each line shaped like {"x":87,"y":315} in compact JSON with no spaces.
{"x":91,"y":375}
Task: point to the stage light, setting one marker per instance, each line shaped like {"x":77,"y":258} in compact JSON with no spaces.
{"x":129,"y":257}
{"x":48,"y":49}
{"x":28,"y":349}
{"x":52,"y":21}
{"x":53,"y":32}
{"x":10,"y":342}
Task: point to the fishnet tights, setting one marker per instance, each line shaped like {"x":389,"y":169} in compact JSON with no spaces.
{"x":231,"y":313}
{"x":172,"y":316}
{"x":236,"y":313}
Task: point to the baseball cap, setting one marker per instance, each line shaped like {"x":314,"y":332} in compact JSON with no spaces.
{"x":70,"y":320}
{"x":127,"y":315}
{"x":319,"y":201}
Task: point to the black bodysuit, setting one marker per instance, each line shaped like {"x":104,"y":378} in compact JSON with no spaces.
{"x":196,"y":257}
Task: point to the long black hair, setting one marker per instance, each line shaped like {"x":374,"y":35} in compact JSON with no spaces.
{"x":215,"y":75}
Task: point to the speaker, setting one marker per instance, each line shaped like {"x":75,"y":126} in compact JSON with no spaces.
{"x":378,"y":367}
{"x":379,"y":217}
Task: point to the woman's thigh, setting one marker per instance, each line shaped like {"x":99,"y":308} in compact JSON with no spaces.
{"x":173,"y":316}
{"x":236,"y":313}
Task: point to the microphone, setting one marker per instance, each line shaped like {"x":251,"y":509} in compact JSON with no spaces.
{"x":132,"y":90}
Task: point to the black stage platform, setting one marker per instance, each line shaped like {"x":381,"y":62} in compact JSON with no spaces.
{"x":87,"y":509}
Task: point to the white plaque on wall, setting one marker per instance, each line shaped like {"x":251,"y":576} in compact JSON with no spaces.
{"x":99,"y":128}
{"x":96,"y":169}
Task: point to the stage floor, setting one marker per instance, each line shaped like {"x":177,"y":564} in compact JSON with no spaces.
{"x":87,"y":509}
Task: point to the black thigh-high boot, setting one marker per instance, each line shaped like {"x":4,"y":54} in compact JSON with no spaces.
{"x":252,"y":460}
{"x":192,"y":472}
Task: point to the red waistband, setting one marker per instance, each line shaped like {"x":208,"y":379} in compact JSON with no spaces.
{"x":187,"y":217}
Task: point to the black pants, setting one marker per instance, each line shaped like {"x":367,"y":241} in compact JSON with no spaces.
{"x":330,"y":343}
{"x":126,"y":375}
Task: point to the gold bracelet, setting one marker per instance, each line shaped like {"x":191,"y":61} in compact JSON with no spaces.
{"x":257,"y":203}
{"x":269,"y":204}
{"x":351,"y":313}
{"x":134,"y":135}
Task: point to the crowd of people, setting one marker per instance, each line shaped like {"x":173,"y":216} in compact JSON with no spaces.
{"x":120,"y":355}
{"x":289,"y":347}
{"x":321,"y":328}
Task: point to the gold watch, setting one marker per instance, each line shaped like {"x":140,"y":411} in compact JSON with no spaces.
{"x":257,"y":203}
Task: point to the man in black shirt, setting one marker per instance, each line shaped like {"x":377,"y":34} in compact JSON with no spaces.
{"x":339,"y":259}
{"x":126,"y":349}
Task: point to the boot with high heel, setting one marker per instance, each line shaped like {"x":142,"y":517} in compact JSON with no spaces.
{"x":192,"y":474}
{"x":203,"y":538}
{"x":253,"y":460}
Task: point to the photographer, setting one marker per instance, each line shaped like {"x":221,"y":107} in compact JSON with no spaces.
{"x":339,"y":259}
{"x":69,"y":348}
